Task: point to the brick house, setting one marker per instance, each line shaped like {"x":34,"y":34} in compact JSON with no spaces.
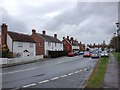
{"x":19,"y":44}
{"x":81,"y":46}
{"x":45,"y":43}
{"x":70,"y":44}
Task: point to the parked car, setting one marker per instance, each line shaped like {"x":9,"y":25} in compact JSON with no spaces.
{"x":87,"y":54}
{"x":81,"y":53}
{"x":76,"y":52}
{"x":104,"y":54}
{"x":71,"y":54}
{"x":95,"y":55}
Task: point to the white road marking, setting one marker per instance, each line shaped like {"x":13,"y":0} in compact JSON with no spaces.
{"x":44,"y":81}
{"x":76,"y":71}
{"x":70,"y":74}
{"x":19,"y":71}
{"x":54,"y":78}
{"x":80,"y":70}
{"x":85,"y":69}
{"x":29,"y":85}
{"x":63,"y":76}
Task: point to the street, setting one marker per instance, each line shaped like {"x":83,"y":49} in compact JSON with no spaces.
{"x":62,"y":72}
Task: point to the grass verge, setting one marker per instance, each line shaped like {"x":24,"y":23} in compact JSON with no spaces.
{"x":97,"y":76}
{"x":117,"y":56}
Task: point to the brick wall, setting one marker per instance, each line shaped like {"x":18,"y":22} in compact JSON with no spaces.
{"x":39,"y":43}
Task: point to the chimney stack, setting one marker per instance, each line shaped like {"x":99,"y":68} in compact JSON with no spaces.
{"x":71,"y":38}
{"x":33,"y":31}
{"x":4,"y":28}
{"x":44,"y":32}
{"x":67,"y":37}
{"x":55,"y":35}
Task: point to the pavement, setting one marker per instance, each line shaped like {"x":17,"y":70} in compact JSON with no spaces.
{"x":111,"y":76}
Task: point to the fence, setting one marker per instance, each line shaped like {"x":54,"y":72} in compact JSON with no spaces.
{"x":19,"y":60}
{"x":54,"y":54}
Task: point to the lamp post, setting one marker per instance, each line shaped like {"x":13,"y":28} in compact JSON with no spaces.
{"x":118,"y":32}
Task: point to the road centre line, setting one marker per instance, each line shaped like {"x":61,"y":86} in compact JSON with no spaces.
{"x":70,"y":74}
{"x":44,"y":81}
{"x":54,"y":78}
{"x":63,"y":76}
{"x":76,"y":71}
{"x":29,"y":85}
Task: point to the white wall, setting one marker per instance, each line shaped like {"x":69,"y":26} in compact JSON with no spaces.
{"x":75,"y":47}
{"x":9,"y":42}
{"x":25,"y":46}
{"x":52,"y":47}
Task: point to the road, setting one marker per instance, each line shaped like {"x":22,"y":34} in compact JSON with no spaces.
{"x":63,"y":72}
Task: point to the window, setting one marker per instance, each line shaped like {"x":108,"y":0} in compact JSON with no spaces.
{"x":40,"y":44}
{"x":31,"y":44}
{"x":49,"y":43}
{"x":20,"y":44}
{"x":55,"y":44}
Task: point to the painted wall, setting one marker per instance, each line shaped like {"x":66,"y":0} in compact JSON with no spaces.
{"x":25,"y":46}
{"x":9,"y":43}
{"x":75,"y":47}
{"x":50,"y":46}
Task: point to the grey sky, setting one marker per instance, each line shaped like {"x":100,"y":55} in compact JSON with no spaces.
{"x":88,"y":22}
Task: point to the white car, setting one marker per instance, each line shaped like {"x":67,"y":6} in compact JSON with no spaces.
{"x":104,"y":54}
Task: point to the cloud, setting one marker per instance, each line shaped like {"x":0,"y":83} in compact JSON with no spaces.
{"x":13,"y":24}
{"x":88,"y":22}
{"x":91,"y":19}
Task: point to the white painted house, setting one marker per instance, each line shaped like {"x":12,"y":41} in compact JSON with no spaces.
{"x":21,"y":44}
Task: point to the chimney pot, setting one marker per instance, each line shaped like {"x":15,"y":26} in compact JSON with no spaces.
{"x":44,"y":32}
{"x":63,"y":37}
{"x":33,"y":31}
{"x":71,"y":38}
{"x":68,"y":37}
{"x":55,"y":35}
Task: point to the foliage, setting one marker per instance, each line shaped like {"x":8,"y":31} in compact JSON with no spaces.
{"x":5,"y":52}
{"x":114,"y":42}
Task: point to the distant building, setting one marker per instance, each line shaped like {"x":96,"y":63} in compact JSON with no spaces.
{"x":45,"y":43}
{"x":70,"y":44}
{"x":21,"y":45}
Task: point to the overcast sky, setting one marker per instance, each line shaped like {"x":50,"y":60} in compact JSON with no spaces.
{"x":88,"y":22}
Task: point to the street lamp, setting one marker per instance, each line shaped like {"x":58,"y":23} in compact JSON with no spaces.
{"x":118,"y":32}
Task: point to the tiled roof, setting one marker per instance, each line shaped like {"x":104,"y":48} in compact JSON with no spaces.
{"x":74,"y":42}
{"x":49,"y":38}
{"x":20,"y":37}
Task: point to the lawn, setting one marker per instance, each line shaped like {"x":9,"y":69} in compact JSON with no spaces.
{"x":97,"y":77}
{"x":117,"y":56}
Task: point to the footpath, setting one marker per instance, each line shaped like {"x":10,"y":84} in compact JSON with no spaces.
{"x":111,"y":79}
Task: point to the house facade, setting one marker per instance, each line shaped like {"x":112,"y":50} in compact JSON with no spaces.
{"x":45,"y":43}
{"x":21,"y":45}
{"x":70,"y":44}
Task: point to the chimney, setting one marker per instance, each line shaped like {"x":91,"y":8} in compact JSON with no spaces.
{"x":63,"y":37}
{"x":33,"y":31}
{"x":4,"y":33}
{"x":67,"y":37}
{"x":44,"y":32}
{"x":71,"y":38}
{"x":55,"y":35}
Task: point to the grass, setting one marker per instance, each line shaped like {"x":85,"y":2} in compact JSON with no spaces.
{"x":117,"y":56}
{"x":97,"y":77}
